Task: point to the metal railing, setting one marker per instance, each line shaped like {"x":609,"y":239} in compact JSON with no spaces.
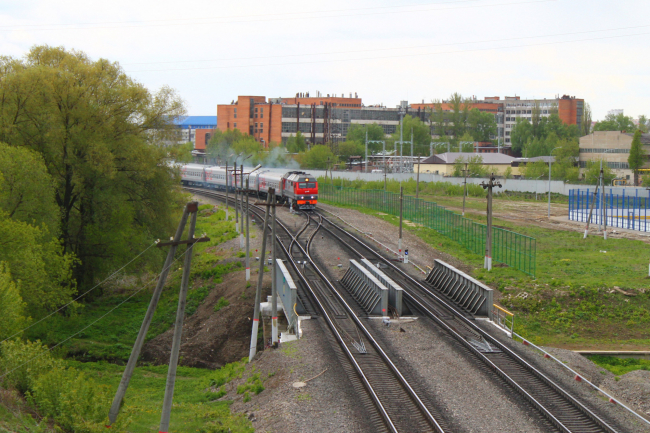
{"x":466,"y":292}
{"x":629,"y":211}
{"x":503,"y":318}
{"x":514,"y":249}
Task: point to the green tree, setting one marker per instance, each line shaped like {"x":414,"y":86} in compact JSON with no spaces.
{"x":592,"y":173}
{"x":466,"y":142}
{"x":12,"y":319}
{"x":350,"y":148}
{"x":439,"y":119}
{"x":535,"y":170}
{"x":219,"y":146}
{"x":586,"y":120}
{"x":615,"y":122}
{"x":637,"y":157}
{"x":481,"y":125}
{"x":180,"y":152}
{"x":27,"y":189}
{"x":101,"y":135}
{"x":475,"y":167}
{"x":297,"y":143}
{"x":458,"y":115}
{"x":317,"y":157}
{"x":357,"y":132}
{"x":644,"y":123}
{"x":421,"y":135}
{"x":521,"y":134}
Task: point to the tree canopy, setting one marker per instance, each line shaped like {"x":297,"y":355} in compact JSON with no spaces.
{"x":637,"y":157}
{"x":537,"y":138}
{"x":615,"y":122}
{"x":100,"y":135}
{"x":317,"y":157}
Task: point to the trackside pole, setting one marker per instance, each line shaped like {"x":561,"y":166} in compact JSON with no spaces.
{"x":155,"y":297}
{"x":260,"y":276}
{"x":399,"y":241}
{"x":248,"y":217}
{"x":178,"y":331}
{"x":274,"y":287}
{"x":591,"y":209}
{"x":241,"y":203}
{"x":236,"y":202}
{"x":227,"y":192}
{"x":487,"y":263}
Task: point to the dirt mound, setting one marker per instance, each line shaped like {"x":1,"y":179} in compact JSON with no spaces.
{"x":212,"y":339}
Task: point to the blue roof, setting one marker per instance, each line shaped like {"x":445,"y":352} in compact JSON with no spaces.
{"x":197,"y":121}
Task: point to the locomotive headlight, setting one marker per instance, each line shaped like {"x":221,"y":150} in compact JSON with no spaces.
{"x":302,"y":197}
{"x":313,"y":196}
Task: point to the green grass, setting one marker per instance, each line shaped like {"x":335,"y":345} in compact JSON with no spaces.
{"x":571,"y":302}
{"x":221,"y":303}
{"x":620,"y":366}
{"x":194,"y":409}
{"x":113,"y":336}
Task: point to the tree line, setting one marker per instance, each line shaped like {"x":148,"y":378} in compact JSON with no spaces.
{"x":84,"y":178}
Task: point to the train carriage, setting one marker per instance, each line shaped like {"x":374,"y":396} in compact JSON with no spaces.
{"x":193,"y":174}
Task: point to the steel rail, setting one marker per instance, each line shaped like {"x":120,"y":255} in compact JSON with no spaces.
{"x":364,"y":379}
{"x":474,"y":328}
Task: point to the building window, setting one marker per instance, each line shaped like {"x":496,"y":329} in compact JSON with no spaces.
{"x":235,"y":112}
{"x":235,"y":124}
{"x":256,"y":115}
{"x":262,"y":113}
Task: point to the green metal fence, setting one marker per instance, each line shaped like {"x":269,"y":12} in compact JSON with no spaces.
{"x":513,"y":249}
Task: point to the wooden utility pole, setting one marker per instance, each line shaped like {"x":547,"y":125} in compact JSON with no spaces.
{"x":274,"y":287}
{"x":248,"y":235}
{"x":241,"y":203}
{"x":260,"y":276}
{"x":178,"y":330}
{"x":227,"y":192}
{"x":487,"y":264}
{"x":591,"y":209}
{"x":155,"y":297}
{"x":417,"y":182}
{"x":464,"y":189}
{"x":399,"y":242}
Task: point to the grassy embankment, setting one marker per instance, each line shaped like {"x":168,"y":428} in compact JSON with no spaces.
{"x":572,"y":303}
{"x":111,"y":339}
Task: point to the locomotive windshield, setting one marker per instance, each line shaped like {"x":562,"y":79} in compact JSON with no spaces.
{"x":307,"y":185}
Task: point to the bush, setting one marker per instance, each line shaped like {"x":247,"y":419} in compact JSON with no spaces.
{"x":221,"y":303}
{"x":71,"y":398}
{"x":24,"y":362}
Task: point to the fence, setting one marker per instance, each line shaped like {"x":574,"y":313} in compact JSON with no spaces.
{"x":626,"y":211}
{"x":513,"y":249}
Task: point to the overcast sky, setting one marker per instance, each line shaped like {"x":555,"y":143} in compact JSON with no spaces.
{"x":386,"y":51}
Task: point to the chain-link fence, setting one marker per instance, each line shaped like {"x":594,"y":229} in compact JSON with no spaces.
{"x":626,"y":211}
{"x":513,"y":249}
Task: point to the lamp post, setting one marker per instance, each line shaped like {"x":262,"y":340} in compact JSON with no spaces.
{"x":248,"y":258}
{"x":549,"y":181}
{"x":241,"y":203}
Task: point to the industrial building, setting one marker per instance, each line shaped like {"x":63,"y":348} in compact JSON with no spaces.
{"x":613,"y":148}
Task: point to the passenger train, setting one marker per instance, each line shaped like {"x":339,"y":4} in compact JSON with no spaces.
{"x":297,"y":188}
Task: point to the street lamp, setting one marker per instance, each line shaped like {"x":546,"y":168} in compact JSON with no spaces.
{"x":549,"y":181}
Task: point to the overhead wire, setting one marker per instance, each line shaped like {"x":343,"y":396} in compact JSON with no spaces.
{"x":80,"y":296}
{"x":393,"y":48}
{"x":263,"y":18}
{"x":389,"y":57}
{"x":98,"y":319}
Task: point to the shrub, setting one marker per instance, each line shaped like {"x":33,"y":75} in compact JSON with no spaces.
{"x":221,"y":303}
{"x":24,"y":362}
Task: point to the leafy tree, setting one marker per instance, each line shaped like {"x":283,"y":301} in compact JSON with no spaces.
{"x":481,"y":125}
{"x":357,"y":132}
{"x":535,"y":170}
{"x":637,"y":156}
{"x":421,"y":135}
{"x":350,"y":148}
{"x":615,"y":122}
{"x":101,"y":136}
{"x":459,"y":114}
{"x":644,"y":123}
{"x":439,"y":119}
{"x":12,"y":319}
{"x":520,"y":135}
{"x":592,"y":174}
{"x":297,"y":143}
{"x":180,"y":152}
{"x":466,"y":142}
{"x":26,"y":188}
{"x":317,"y":157}
{"x":538,"y":139}
{"x":219,"y":146}
{"x":475,"y":167}
{"x":586,"y":120}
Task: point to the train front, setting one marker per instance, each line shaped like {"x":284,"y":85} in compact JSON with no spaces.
{"x":306,"y":192}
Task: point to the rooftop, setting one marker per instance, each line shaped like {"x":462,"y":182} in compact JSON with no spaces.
{"x":197,"y":122}
{"x":452,"y":157}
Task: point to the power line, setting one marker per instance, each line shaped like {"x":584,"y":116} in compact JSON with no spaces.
{"x":96,"y":320}
{"x":263,"y":18}
{"x":389,"y":57}
{"x":395,"y":48}
{"x":80,"y":296}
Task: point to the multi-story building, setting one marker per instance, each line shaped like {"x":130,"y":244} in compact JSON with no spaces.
{"x":321,"y":119}
{"x":324,"y":119}
{"x":613,"y":148}
{"x":191,"y":127}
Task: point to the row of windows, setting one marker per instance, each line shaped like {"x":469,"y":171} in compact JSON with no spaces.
{"x":586,"y":150}
{"x":617,"y":165}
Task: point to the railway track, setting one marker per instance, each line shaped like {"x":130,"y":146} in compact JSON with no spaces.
{"x":561,"y":411}
{"x":398,"y":406}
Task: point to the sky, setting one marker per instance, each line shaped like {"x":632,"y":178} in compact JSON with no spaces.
{"x":385,"y":51}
